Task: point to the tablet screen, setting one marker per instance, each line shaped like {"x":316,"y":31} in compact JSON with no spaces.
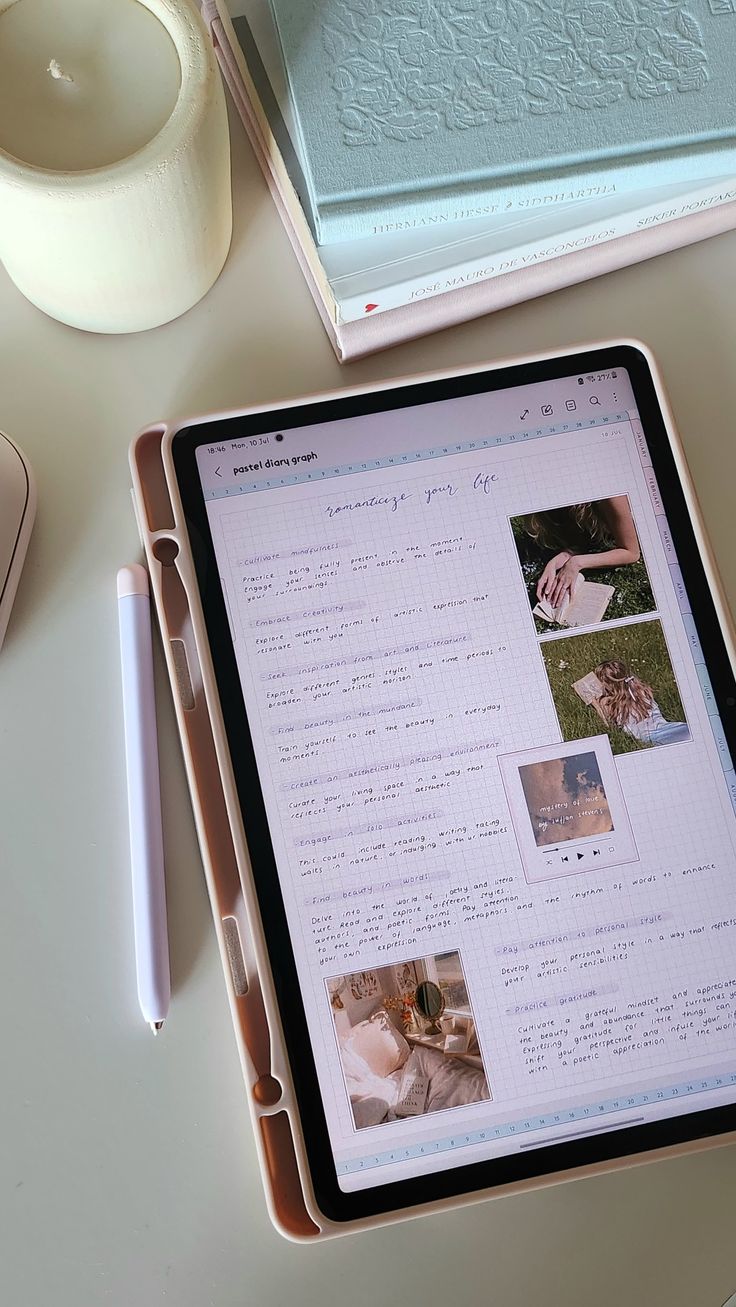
{"x":497,"y":786}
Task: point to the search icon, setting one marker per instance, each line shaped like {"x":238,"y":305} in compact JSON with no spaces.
{"x":594,"y":399}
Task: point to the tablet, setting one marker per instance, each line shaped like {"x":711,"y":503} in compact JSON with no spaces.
{"x":474,"y":669}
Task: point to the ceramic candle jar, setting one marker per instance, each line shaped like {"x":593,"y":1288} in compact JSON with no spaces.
{"x":115,"y":198}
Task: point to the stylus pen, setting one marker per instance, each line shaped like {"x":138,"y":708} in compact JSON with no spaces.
{"x":144,"y":796}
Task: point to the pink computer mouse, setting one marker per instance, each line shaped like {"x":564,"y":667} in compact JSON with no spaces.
{"x":17,"y":511}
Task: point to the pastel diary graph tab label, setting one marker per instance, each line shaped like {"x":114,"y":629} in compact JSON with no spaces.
{"x":500,"y":804}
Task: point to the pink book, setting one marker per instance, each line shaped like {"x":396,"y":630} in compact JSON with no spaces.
{"x":352,"y":340}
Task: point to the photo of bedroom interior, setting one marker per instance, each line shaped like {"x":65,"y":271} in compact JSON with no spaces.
{"x":407,"y":1039}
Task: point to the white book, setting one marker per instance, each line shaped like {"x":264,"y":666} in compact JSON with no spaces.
{"x":369,"y":276}
{"x":412,"y":1099}
{"x":403,"y":277}
{"x":584,"y":607}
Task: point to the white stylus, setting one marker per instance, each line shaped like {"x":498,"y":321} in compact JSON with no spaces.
{"x":144,"y":796}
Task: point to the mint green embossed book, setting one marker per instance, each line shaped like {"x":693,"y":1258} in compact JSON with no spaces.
{"x":417,"y":112}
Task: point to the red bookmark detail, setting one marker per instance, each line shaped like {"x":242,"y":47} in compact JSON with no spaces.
{"x":370,"y":307}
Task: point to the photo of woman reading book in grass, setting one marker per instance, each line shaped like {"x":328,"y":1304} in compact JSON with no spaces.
{"x":621,"y":676}
{"x":558,"y":547}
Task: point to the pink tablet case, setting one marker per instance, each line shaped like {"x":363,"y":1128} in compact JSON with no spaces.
{"x":17,"y":513}
{"x":355,"y":339}
{"x":277,"y":1126}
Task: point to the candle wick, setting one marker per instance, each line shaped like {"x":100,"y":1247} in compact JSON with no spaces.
{"x":57,"y":72}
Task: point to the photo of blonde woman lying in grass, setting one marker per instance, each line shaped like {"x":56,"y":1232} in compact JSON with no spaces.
{"x":621,"y":676}
{"x":628,"y":703}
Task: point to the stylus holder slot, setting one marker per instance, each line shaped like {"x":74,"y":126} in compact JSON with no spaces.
{"x":213,"y":824}
{"x":265,"y":1067}
{"x":278,"y":1146}
{"x":154,"y":491}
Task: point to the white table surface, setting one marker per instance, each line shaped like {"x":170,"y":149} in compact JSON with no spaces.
{"x":128,"y":1171}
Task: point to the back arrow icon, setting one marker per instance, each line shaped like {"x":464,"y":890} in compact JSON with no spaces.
{"x":218,"y":473}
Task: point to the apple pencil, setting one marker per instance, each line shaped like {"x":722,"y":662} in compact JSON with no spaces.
{"x":144,"y":796}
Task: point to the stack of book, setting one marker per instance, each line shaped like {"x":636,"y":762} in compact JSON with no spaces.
{"x":434,"y":160}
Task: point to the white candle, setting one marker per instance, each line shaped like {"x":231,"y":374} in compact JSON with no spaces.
{"x":83,"y":83}
{"x":115,"y":208}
